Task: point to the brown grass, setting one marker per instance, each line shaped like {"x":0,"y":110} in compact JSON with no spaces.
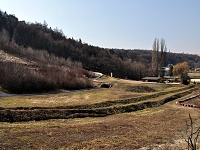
{"x":147,"y":128}
{"x":156,"y":128}
{"x":117,"y":92}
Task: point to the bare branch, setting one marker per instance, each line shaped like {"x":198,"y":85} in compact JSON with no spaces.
{"x":192,"y":134}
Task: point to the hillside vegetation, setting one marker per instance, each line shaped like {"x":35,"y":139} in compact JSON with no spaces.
{"x":27,"y":70}
{"x":41,"y":73}
{"x":56,"y":62}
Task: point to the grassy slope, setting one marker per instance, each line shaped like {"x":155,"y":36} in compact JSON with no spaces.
{"x":162,"y":125}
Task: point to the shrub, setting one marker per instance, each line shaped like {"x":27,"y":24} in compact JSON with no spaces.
{"x":18,"y":78}
{"x":140,"y":89}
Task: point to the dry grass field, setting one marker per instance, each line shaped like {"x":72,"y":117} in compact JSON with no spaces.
{"x":194,"y":75}
{"x":122,"y":89}
{"x":155,"y":128}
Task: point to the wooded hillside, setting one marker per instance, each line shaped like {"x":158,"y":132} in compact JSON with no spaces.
{"x":132,"y":64}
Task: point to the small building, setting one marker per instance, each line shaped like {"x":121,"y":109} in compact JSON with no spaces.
{"x":166,"y":71}
{"x":151,"y":79}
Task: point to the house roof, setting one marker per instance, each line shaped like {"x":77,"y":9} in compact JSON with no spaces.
{"x":151,"y":78}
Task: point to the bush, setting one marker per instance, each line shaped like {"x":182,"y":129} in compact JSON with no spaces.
{"x":140,"y":89}
{"x":18,"y":78}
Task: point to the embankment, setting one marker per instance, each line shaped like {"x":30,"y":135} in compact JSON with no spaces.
{"x":40,"y":113}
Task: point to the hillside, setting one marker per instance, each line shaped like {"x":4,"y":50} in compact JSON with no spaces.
{"x":18,"y":37}
{"x":32,"y":71}
{"x":6,"y":57}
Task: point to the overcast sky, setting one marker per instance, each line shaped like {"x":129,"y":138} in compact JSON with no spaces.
{"x":127,"y":24}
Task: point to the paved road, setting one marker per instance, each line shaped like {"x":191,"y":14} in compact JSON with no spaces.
{"x":99,"y":76}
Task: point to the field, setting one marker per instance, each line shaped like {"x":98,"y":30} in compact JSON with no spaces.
{"x":195,"y":75}
{"x":122,"y":89}
{"x":160,"y":127}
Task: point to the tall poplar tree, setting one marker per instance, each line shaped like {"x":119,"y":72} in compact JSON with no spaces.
{"x":155,"y":51}
{"x":158,"y":57}
{"x":163,"y":52}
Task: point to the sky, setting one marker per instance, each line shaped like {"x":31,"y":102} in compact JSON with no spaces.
{"x":123,"y":24}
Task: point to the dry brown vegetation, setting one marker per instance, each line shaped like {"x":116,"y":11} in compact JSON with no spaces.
{"x":150,"y":128}
{"x":153,"y":128}
{"x":38,"y":71}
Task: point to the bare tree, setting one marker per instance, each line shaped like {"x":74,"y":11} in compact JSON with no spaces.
{"x":155,"y":57}
{"x":158,"y":58}
{"x":163,"y":51}
{"x":192,"y":134}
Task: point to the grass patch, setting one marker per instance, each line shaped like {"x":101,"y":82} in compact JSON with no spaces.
{"x":195,"y":75}
{"x":140,"y":89}
{"x":66,"y":99}
{"x":24,"y":138}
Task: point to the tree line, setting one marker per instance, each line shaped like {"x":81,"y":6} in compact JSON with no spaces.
{"x":132,"y":64}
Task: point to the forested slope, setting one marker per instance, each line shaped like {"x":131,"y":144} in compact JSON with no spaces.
{"x":133,"y":64}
